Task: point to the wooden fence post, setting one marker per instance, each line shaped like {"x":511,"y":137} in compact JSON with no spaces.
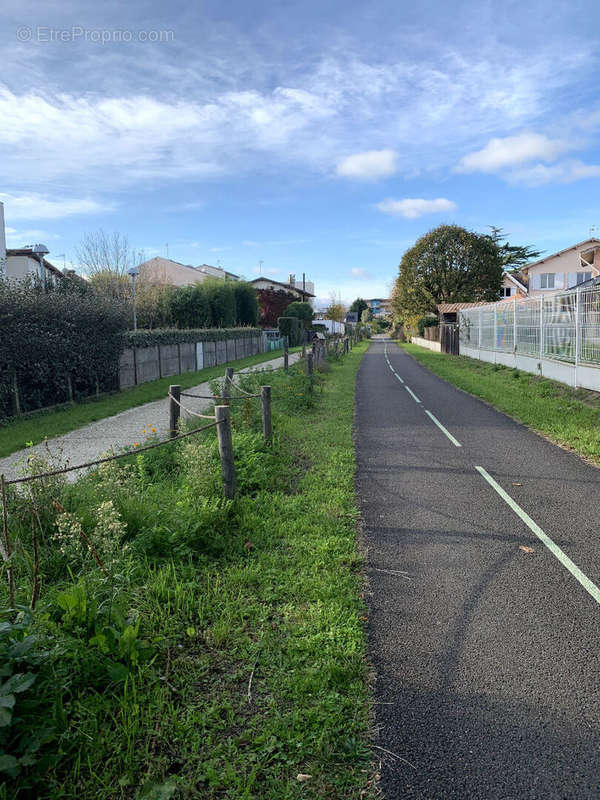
{"x":227,"y":385}
{"x":265,"y":401}
{"x":174,"y":410}
{"x":309,"y":365}
{"x":285,"y":358}
{"x":16,"y":399}
{"x":222,"y":416}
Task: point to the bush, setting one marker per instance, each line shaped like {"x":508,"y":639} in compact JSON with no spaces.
{"x":292,"y":328}
{"x":68,"y":336}
{"x":302,"y":311}
{"x":426,"y":322}
{"x":144,"y":338}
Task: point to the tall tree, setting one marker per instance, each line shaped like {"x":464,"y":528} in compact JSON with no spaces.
{"x":359,"y":305}
{"x":448,"y":264}
{"x":302,"y":311}
{"x":513,"y":256}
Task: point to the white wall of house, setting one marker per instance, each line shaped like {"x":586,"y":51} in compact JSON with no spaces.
{"x":562,"y":271}
{"x":164,"y":271}
{"x":18,"y":267}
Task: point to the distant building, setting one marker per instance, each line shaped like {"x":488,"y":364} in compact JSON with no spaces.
{"x":379,"y":307}
{"x":167,"y":272}
{"x":352,"y":317}
{"x":218,"y":272}
{"x":308,"y":286}
{"x":512,"y":286}
{"x":23,"y":262}
{"x":269,"y":283}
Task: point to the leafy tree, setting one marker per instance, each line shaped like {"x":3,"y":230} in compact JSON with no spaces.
{"x":513,"y":256}
{"x":302,"y":311}
{"x":359,"y":305}
{"x":273,"y":304}
{"x":447,"y":265}
{"x":366,"y":316}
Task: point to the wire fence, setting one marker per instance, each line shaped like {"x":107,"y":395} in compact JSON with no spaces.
{"x":564,"y":327}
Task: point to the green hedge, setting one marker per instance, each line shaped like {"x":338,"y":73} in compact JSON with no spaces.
{"x":291,"y":327}
{"x":213,"y":303}
{"x":56,"y":341}
{"x":151,"y":338}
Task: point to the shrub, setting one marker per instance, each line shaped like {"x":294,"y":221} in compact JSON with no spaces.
{"x":52,"y":342}
{"x":292,"y":328}
{"x":426,"y":322}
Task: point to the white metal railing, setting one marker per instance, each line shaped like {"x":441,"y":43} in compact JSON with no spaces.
{"x":564,"y":326}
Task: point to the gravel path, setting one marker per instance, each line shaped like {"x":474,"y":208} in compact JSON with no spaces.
{"x":121,"y":430}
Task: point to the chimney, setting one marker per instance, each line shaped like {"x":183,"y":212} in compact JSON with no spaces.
{"x":292,"y":280}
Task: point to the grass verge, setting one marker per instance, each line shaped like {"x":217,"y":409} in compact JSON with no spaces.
{"x":223,"y":653}
{"x":569,"y":417}
{"x":16,"y":433}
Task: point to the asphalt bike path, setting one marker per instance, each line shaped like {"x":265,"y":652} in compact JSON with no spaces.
{"x":483,"y":560}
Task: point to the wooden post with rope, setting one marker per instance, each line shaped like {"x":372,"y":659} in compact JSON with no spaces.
{"x":227,"y":385}
{"x":265,"y":401}
{"x":223,"y":417}
{"x":174,"y":410}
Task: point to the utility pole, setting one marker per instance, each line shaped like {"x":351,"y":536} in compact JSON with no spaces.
{"x":304,"y":287}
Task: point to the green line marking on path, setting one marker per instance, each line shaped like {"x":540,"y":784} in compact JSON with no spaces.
{"x":454,"y":441}
{"x":564,"y":559}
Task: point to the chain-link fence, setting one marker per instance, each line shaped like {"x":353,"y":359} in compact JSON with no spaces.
{"x":564,"y":327}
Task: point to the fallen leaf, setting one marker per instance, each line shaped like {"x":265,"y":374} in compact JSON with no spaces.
{"x":517,"y":484}
{"x":526,"y":549}
{"x":302,"y":777}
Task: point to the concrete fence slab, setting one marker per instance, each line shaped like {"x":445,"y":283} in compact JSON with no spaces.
{"x":210,"y":354}
{"x":127,"y":369}
{"x":147,"y":364}
{"x":199,"y":356}
{"x":221,"y":352}
{"x":187,"y":352}
{"x":169,"y":359}
{"x":230,"y":349}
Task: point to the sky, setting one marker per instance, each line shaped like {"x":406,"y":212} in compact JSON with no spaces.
{"x":319,"y":137}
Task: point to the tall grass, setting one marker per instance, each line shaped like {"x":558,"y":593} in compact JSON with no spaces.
{"x":219,"y":652}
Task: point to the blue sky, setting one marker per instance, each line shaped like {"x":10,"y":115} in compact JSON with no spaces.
{"x":322,"y":137}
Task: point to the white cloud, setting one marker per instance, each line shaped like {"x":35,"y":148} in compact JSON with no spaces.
{"x":370,"y":165}
{"x":566,"y":171}
{"x":359,"y":272}
{"x":512,"y":151}
{"x":413,"y":207}
{"x":220,"y":118}
{"x":36,"y":206}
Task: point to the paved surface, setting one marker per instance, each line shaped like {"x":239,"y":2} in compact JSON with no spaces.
{"x":486,"y":655}
{"x":121,"y":430}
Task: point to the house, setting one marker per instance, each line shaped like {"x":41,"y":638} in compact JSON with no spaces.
{"x":379,"y":307}
{"x":218,"y":272}
{"x":563,"y":270}
{"x":277,"y":286}
{"x":308,"y":287}
{"x":512,"y":286}
{"x":166,"y":272}
{"x":23,"y":262}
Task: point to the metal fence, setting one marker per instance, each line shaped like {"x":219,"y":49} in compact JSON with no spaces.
{"x":563,"y":327}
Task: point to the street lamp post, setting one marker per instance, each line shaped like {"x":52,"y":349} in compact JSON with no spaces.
{"x":133,"y":273}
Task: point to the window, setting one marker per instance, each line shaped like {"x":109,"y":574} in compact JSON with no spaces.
{"x":583,"y":276}
{"x":508,"y":291}
{"x":547,"y":280}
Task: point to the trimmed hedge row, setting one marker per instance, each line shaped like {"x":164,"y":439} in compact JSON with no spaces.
{"x":151,"y":338}
{"x":56,"y":345}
